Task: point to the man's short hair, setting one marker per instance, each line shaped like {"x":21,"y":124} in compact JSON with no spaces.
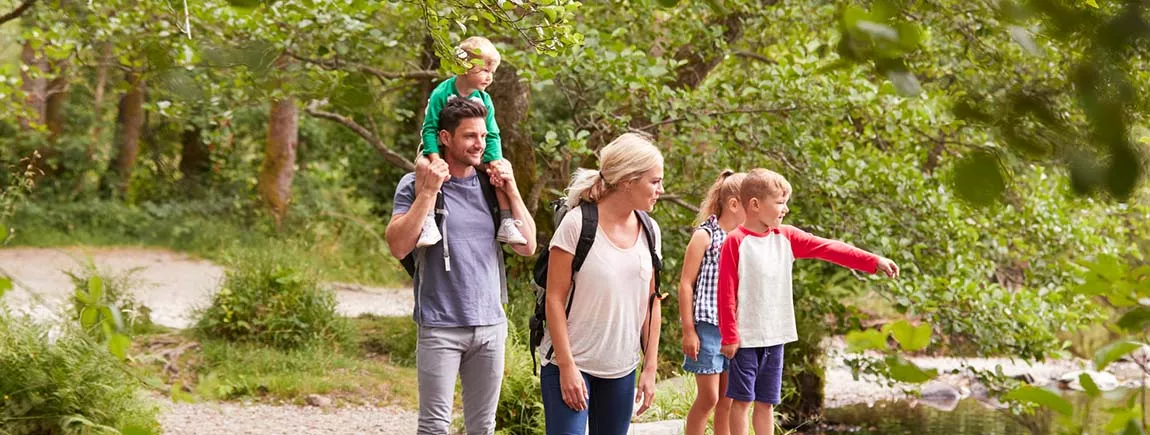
{"x":458,"y":109}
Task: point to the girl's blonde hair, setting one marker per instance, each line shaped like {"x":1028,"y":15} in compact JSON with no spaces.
{"x":624,"y":159}
{"x":724,"y":188}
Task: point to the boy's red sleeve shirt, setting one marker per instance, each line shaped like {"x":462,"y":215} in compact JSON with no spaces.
{"x":728,"y":288}
{"x":807,"y":245}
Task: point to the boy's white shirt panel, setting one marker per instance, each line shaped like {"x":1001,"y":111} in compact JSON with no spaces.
{"x":766,"y":314}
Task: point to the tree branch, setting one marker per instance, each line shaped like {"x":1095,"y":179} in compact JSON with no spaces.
{"x":16,"y":13}
{"x":756,"y":56}
{"x":313,"y":109}
{"x":715,"y":113}
{"x":337,"y":64}
{"x":675,"y":199}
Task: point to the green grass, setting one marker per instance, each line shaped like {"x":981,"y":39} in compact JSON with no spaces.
{"x":221,"y":370}
{"x":342,"y":247}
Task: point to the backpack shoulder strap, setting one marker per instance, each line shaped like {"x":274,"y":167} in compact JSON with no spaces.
{"x":489,"y":196}
{"x":649,"y":230}
{"x":587,"y":231}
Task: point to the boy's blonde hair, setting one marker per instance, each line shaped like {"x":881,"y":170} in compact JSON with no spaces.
{"x":763,"y":184}
{"x":479,"y":47}
{"x":724,"y":188}
{"x":624,"y":159}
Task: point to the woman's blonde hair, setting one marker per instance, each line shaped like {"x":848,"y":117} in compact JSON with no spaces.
{"x":624,"y":159}
{"x":724,"y":188}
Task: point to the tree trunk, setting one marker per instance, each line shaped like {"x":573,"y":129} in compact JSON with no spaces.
{"x":102,"y":67}
{"x":279,"y":157}
{"x":34,"y":83}
{"x":54,"y":106}
{"x":129,"y":126}
{"x":195,"y":160}
{"x":512,"y":100}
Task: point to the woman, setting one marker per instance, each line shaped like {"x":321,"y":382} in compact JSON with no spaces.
{"x":589,"y":380}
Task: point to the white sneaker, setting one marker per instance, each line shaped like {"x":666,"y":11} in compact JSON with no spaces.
{"x":430,"y":233}
{"x":509,"y":232}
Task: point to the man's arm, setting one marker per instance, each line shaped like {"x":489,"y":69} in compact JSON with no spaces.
{"x":404,"y":228}
{"x":518,"y":208}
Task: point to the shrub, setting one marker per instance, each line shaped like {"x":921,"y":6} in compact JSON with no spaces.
{"x":520,"y":409}
{"x":274,"y":299}
{"x":134,"y":317}
{"x":60,"y":381}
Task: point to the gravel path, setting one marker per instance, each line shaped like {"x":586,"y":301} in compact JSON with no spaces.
{"x":170,"y":283}
{"x":232,"y":418}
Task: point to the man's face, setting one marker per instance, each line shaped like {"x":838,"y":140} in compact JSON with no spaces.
{"x":465,"y":146}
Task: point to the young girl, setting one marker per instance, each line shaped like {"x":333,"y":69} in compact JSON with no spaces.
{"x":720,"y":212}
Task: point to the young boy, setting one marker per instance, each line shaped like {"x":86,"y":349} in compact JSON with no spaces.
{"x":484,"y":58}
{"x":756,"y":310}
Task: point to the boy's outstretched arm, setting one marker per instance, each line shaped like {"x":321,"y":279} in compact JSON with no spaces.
{"x":807,"y":245}
{"x":729,"y":295}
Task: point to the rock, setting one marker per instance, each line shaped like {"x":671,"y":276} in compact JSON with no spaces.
{"x":1105,"y":381}
{"x":940,"y":395}
{"x":317,"y":401}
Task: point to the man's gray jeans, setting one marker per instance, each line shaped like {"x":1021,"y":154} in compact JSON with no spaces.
{"x":476,"y":354}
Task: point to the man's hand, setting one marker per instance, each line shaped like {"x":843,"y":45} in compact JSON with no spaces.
{"x":728,"y":350}
{"x":430,"y":175}
{"x":885,"y":265}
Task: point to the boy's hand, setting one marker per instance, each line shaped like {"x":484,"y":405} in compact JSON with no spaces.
{"x":502,"y":176}
{"x":885,"y":265}
{"x":728,"y":350}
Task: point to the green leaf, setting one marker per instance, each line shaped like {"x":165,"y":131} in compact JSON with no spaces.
{"x":1113,"y":352}
{"x":118,"y":345}
{"x":89,"y":317}
{"x":905,"y":371}
{"x":5,"y":285}
{"x":1089,"y":385}
{"x":859,"y":341}
{"x":668,"y":3}
{"x":1091,"y":3}
{"x":96,"y":289}
{"x":1135,"y":320}
{"x":978,"y":178}
{"x":910,"y":338}
{"x":1041,"y":397}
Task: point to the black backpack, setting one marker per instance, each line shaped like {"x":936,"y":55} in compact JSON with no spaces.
{"x":408,"y":261}
{"x":586,"y":239}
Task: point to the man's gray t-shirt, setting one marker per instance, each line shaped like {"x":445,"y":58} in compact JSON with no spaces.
{"x":473,"y":292}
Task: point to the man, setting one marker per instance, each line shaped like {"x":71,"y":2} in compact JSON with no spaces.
{"x":460,"y":292}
